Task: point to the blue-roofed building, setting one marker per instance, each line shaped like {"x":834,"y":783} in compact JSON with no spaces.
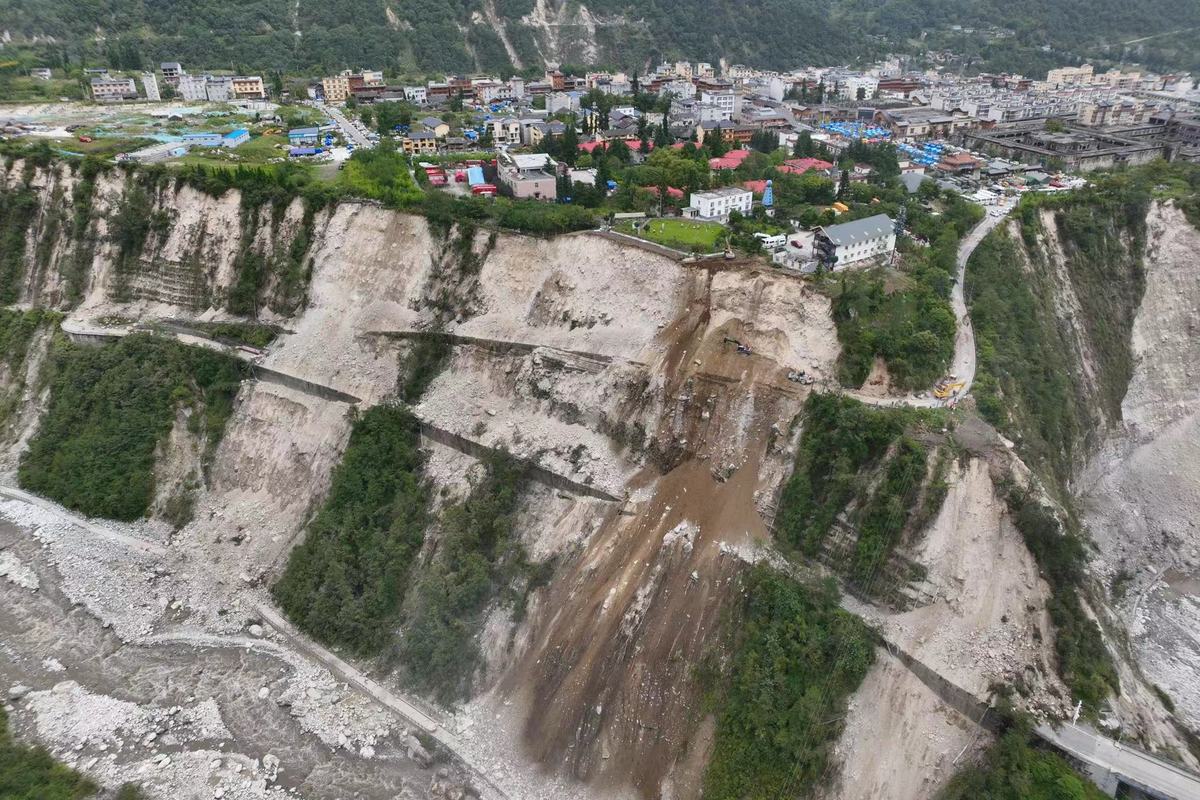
{"x":203,"y":139}
{"x":303,"y":136}
{"x":231,"y":139}
{"x":297,"y":152}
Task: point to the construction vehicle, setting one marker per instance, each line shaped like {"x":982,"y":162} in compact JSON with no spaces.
{"x":800,"y":377}
{"x":728,"y":250}
{"x":948,"y":387}
{"x":744,"y":349}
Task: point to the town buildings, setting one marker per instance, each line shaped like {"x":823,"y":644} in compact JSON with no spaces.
{"x":1074,"y":148}
{"x":150,"y":86}
{"x":220,"y":88}
{"x":171,"y":71}
{"x":300,"y":137}
{"x":249,"y":87}
{"x":230,"y":140}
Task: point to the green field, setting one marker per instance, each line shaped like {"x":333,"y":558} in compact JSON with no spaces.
{"x":683,"y":234}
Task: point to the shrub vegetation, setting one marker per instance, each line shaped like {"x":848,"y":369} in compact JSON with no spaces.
{"x":345,"y":582}
{"x":845,"y":444}
{"x":780,"y":697}
{"x":479,"y":557}
{"x":110,"y":407}
{"x":1013,"y":769}
{"x":31,"y":773}
{"x":1083,"y":661}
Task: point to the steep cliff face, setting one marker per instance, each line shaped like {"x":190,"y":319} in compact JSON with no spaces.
{"x":658,"y":447}
{"x":1099,"y":392}
{"x":86,"y":239}
{"x":1140,"y":490}
{"x":657,"y":453}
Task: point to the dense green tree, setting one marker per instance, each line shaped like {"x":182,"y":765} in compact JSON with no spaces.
{"x":344,"y":583}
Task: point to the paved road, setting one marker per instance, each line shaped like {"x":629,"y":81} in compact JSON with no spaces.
{"x":963,"y":364}
{"x":1113,"y":761}
{"x":348,"y":128}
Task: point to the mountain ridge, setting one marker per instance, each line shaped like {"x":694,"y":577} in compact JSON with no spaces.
{"x":421,"y":36}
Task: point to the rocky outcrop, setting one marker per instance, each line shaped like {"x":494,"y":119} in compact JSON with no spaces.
{"x":1141,"y":490}
{"x":152,"y":244}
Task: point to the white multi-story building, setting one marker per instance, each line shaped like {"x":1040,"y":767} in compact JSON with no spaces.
{"x":716,"y":205}
{"x":219,"y":89}
{"x":862,"y":239}
{"x":172,"y":71}
{"x":677,"y":88}
{"x":850,"y":85}
{"x":506,"y":131}
{"x":150,"y":86}
{"x":413,"y":94}
{"x":193,"y":87}
{"x":562,"y":101}
{"x":110,"y":89}
{"x":729,"y":102}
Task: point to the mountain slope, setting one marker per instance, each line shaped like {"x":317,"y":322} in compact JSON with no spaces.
{"x":502,"y":35}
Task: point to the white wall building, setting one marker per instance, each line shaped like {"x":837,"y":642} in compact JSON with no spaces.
{"x":150,"y":86}
{"x":715,"y":205}
{"x":862,"y":239}
{"x":219,"y":90}
{"x":110,"y":89}
{"x":562,"y":101}
{"x":506,"y":131}
{"x":726,"y":101}
{"x":193,"y":87}
{"x":415,"y":95}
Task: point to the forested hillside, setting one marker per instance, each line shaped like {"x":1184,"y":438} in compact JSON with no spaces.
{"x":421,"y":36}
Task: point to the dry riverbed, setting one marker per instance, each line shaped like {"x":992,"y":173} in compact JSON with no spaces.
{"x":184,"y":721}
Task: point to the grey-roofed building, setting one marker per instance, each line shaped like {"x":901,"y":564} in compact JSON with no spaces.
{"x":912,"y":181}
{"x":859,"y":240}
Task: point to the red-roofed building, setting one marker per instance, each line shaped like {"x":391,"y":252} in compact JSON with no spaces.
{"x":672,"y":192}
{"x":731,"y":160}
{"x":799,"y":166}
{"x":634,"y":144}
{"x":758,"y":187}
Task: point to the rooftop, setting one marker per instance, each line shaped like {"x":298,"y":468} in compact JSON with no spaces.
{"x":726,"y":191}
{"x":859,"y":230}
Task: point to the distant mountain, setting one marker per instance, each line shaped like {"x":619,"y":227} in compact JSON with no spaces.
{"x":430,"y":36}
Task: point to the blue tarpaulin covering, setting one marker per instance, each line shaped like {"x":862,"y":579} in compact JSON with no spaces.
{"x":475,"y":176}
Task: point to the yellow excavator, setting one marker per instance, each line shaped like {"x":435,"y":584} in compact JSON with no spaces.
{"x":948,"y":387}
